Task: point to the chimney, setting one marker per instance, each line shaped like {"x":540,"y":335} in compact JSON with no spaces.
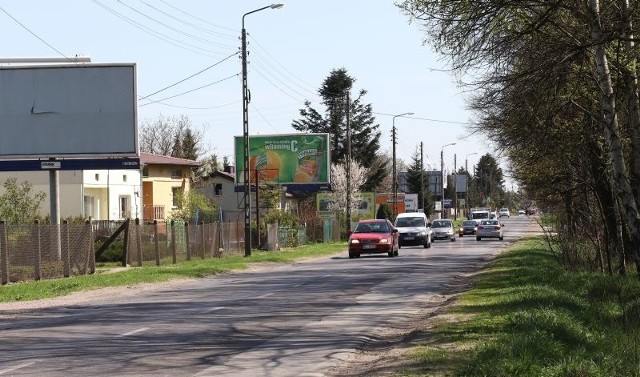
{"x":230,"y":169}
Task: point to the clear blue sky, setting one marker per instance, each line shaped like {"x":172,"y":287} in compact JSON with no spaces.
{"x":292,"y":50}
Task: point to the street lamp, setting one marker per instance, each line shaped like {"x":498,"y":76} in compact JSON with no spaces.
{"x":443,"y":177}
{"x":393,"y":173}
{"x":466,"y":191}
{"x":245,"y":134}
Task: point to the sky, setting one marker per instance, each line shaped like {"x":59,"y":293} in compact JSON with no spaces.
{"x":187,"y":56}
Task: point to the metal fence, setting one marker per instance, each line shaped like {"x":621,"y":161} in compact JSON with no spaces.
{"x":45,"y":251}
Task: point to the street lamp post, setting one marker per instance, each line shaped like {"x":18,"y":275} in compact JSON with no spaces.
{"x":245,"y":134}
{"x":443,"y":177}
{"x":466,"y":191}
{"x":393,"y":173}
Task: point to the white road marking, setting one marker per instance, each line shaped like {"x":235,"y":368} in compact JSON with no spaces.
{"x":3,"y":371}
{"x":265,"y":295}
{"x":214,"y":309}
{"x":135,"y":331}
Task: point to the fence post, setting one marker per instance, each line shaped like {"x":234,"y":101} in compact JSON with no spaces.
{"x":66,"y":262}
{"x":204,"y":240}
{"x":156,"y":242}
{"x":37,"y":271}
{"x":138,"y":242}
{"x":186,"y":231}
{"x":126,"y":260}
{"x":91,"y":257}
{"x":4,"y":253}
{"x":174,"y":252}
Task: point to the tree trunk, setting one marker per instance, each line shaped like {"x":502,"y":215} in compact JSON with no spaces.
{"x":612,"y":133}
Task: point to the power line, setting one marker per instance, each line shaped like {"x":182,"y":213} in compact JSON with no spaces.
{"x":189,"y":77}
{"x":159,"y":35}
{"x":195,"y":17}
{"x":427,"y":119}
{"x":192,"y":90}
{"x":34,"y":34}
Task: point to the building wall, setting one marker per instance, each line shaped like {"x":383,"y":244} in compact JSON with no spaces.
{"x":165,"y":180}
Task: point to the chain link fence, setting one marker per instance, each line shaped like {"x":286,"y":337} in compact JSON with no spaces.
{"x":45,"y":251}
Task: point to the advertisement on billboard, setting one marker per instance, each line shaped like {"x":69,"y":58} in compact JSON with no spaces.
{"x":288,"y":159}
{"x":363,"y":206}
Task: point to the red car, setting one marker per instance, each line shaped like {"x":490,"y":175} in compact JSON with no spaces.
{"x":375,"y":236}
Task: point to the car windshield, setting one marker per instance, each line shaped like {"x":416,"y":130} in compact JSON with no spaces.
{"x":489,"y":222}
{"x":469,"y":223}
{"x":409,"y":221}
{"x":373,"y":227}
{"x":440,"y":224}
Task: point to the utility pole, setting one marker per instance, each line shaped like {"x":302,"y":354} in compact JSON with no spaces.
{"x":348,"y":112}
{"x":455,"y":188}
{"x":422,"y":176}
{"x":394,"y":176}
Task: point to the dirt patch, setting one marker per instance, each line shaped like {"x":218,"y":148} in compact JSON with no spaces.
{"x":391,"y":354}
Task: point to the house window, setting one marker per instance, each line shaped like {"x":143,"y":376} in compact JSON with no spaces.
{"x":176,"y":174}
{"x":124,"y":178}
{"x":145,"y":171}
{"x":97,"y":177}
{"x":217,"y":189}
{"x":177,"y":197}
{"x":125,"y":206}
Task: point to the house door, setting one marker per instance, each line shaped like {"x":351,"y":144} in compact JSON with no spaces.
{"x":125,"y":206}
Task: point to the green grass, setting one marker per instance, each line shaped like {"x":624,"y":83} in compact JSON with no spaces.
{"x":526,"y":316}
{"x":105,"y":277}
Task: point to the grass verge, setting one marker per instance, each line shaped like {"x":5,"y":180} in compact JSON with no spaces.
{"x":105,"y":277}
{"x":527,"y":316}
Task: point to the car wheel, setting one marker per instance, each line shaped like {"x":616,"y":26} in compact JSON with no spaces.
{"x":351,"y":256}
{"x":501,"y":238}
{"x":478,"y":238}
{"x":453,"y":239}
{"x":460,"y":235}
{"x":429,"y":244}
{"x":390,"y":254}
{"x":357,"y":255}
{"x":399,"y":246}
{"x":396,"y":253}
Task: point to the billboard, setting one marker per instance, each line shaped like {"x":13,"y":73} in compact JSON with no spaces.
{"x":287,"y":159}
{"x":363,"y":206}
{"x":72,"y":110}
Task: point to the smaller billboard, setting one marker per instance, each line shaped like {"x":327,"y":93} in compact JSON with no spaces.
{"x":286,"y":159}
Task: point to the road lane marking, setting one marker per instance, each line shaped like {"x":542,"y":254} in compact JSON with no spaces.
{"x":3,"y":371}
{"x":214,"y":309}
{"x":135,"y":331}
{"x":265,"y":295}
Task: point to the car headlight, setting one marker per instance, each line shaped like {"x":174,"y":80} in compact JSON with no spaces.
{"x":355,"y":241}
{"x":422,"y":233}
{"x":383,"y":240}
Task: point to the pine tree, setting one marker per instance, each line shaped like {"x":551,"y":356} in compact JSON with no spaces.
{"x":365,"y":134}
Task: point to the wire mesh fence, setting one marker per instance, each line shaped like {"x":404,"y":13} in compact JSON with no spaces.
{"x":47,"y":251}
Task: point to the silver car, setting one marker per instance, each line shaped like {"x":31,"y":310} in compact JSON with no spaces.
{"x":489,"y":229}
{"x":442,"y":230}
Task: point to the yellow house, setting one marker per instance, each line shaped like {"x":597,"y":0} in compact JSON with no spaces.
{"x":164,"y":180}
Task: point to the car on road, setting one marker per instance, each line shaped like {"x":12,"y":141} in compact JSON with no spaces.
{"x":373,"y":236}
{"x":467,"y":227}
{"x":413,"y":229}
{"x":504,"y":212}
{"x":490,"y":229}
{"x":521,"y":212}
{"x":443,"y":230}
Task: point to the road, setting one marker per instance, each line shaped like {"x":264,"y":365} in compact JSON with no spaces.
{"x":290,"y":320}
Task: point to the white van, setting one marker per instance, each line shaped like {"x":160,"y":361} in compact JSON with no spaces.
{"x":413,"y":229}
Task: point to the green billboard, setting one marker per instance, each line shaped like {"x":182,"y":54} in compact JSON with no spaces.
{"x":287,"y":159}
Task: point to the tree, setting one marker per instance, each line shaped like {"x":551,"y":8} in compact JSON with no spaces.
{"x":173,"y":136}
{"x":417,"y":183}
{"x":365,"y":134}
{"x":488,"y":180}
{"x":384,"y":212}
{"x":193,"y":202}
{"x":356,"y":174}
{"x":18,"y":204}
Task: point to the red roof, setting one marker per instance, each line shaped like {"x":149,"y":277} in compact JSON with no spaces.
{"x":156,"y":159}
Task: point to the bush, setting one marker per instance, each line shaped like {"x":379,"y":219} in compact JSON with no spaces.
{"x":114,"y":252}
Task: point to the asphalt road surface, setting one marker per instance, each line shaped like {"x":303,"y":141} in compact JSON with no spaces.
{"x":300,"y":320}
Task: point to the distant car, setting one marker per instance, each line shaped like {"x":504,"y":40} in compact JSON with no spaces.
{"x":375,"y":236}
{"x":521,"y":212}
{"x":413,"y":229}
{"x":489,"y":229}
{"x":504,"y":212}
{"x":443,"y":230}
{"x":467,"y":227}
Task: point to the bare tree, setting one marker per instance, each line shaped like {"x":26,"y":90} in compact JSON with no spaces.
{"x":171,"y":136}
